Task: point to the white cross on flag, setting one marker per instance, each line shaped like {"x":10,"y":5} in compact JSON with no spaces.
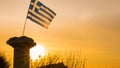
{"x":40,"y":13}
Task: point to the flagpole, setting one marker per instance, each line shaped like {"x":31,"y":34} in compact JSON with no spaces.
{"x":25,"y":22}
{"x":24,"y":27}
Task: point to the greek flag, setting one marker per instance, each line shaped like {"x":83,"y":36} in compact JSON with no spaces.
{"x":40,"y":14}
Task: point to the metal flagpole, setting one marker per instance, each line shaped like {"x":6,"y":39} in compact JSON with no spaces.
{"x":25,"y":23}
{"x":24,"y":27}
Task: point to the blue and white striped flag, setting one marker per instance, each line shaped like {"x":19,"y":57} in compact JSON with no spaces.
{"x":40,"y":14}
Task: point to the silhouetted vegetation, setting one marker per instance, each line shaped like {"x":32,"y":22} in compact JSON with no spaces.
{"x":49,"y":59}
{"x":3,"y":62}
{"x":58,"y":65}
{"x":74,"y":60}
{"x":53,"y":59}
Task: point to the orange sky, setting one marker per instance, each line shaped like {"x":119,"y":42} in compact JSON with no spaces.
{"x":90,"y":25}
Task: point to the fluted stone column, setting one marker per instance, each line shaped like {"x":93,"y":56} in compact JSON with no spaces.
{"x":21,"y":47}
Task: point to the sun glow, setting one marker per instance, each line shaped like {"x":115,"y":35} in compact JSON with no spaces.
{"x":36,"y":52}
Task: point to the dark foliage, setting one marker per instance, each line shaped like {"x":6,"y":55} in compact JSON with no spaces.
{"x":3,"y":62}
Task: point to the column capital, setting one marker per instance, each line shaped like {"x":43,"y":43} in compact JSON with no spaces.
{"x":21,"y":42}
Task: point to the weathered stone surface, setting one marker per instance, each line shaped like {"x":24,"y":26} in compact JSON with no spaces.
{"x":21,"y":47}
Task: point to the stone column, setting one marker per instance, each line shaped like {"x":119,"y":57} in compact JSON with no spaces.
{"x":21,"y":47}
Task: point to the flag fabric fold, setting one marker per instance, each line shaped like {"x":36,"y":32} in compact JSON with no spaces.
{"x":40,"y":14}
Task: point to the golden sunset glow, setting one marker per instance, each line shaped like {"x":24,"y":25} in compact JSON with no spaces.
{"x":37,"y":52}
{"x":90,"y":25}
